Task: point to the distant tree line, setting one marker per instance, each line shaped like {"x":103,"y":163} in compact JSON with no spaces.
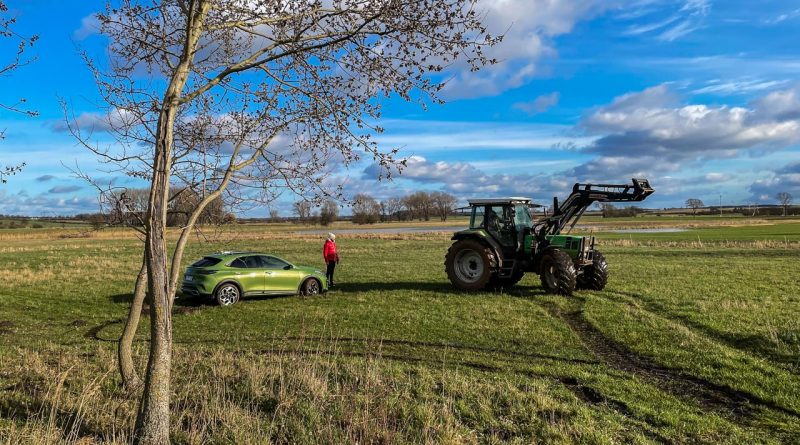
{"x":127,"y":208}
{"x":366,"y":209}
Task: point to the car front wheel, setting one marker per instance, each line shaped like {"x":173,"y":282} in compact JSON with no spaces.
{"x":311,"y":287}
{"x":227,"y":294}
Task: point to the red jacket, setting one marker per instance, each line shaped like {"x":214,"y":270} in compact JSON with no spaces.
{"x":329,"y":251}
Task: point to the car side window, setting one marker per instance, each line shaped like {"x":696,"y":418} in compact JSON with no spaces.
{"x":253,"y":262}
{"x":273,"y":263}
{"x":239,"y":263}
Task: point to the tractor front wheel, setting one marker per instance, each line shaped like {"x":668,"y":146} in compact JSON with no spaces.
{"x":557,"y":272}
{"x":595,"y":275}
{"x":469,"y":264}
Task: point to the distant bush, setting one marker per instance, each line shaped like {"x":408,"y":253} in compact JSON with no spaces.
{"x":37,"y":226}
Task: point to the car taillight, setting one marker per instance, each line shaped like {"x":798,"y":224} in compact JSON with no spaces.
{"x":205,"y":272}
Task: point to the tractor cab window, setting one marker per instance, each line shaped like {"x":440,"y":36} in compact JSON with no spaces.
{"x":522,"y":217}
{"x":500,"y":223}
{"x":476,"y":222}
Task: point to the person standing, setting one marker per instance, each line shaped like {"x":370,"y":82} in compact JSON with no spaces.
{"x":331,"y":257}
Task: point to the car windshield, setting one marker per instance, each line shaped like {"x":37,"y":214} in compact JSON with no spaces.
{"x":522,"y":216}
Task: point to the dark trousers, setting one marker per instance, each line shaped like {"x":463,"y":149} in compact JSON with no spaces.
{"x":329,"y":272}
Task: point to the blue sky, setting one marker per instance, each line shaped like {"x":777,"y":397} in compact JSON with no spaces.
{"x":700,"y":96}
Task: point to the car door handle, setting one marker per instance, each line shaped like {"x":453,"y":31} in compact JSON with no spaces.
{"x":237,"y":273}
{"x":269,"y":273}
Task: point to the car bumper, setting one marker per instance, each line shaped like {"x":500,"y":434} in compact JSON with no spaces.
{"x":194,"y":289}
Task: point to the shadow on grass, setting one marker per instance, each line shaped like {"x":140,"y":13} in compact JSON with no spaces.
{"x":444,"y":288}
{"x":34,"y":409}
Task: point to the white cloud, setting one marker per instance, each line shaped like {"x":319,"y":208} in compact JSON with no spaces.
{"x":464,"y":180}
{"x":44,"y":205}
{"x":528,"y":27}
{"x":682,"y":18}
{"x":90,"y":25}
{"x":538,"y":105}
{"x":649,"y":131}
{"x":423,"y":137}
{"x":98,"y":122}
{"x":785,"y":179}
{"x":739,"y":86}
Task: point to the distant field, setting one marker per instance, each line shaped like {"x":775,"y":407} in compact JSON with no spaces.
{"x":695,"y":340}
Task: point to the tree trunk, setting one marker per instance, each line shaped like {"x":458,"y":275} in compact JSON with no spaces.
{"x":130,"y":379}
{"x":152,"y":420}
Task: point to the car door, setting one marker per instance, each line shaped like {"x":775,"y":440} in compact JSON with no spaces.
{"x":250,"y":274}
{"x":281,"y":276}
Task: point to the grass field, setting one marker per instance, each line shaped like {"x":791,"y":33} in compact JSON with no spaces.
{"x":695,"y":340}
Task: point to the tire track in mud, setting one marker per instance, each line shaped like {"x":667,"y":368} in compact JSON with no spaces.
{"x":708,"y":395}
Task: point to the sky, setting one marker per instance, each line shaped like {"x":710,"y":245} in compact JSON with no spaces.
{"x":702,"y":97}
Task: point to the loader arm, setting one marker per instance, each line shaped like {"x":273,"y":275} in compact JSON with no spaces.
{"x":584,"y":195}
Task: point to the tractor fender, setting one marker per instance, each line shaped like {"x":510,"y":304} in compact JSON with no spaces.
{"x":488,"y":242}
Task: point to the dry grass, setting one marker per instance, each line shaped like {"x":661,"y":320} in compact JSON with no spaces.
{"x":277,"y":396}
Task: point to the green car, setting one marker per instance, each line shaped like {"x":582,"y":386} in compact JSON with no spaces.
{"x":228,"y":276}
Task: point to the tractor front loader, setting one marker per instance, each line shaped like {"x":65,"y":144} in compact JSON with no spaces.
{"x":503,"y":242}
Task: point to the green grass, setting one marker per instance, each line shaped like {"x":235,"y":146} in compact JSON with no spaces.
{"x":688,"y":344}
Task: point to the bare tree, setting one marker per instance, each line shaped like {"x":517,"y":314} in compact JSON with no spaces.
{"x":18,"y":60}
{"x":303,"y":210}
{"x":443,"y":203}
{"x":9,"y":171}
{"x":366,"y":209}
{"x":248,"y":100}
{"x":694,"y":204}
{"x":329,"y":212}
{"x":420,"y":205}
{"x":392,"y":207}
{"x":274,"y":215}
{"x":785,"y":198}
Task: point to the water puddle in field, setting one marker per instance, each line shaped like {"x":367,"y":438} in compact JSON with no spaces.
{"x":400,"y":230}
{"x":384,"y":230}
{"x":657,"y":230}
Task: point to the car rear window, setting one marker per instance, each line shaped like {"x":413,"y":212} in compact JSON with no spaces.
{"x":206,"y":262}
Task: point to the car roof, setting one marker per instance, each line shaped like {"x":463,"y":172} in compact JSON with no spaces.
{"x":509,"y":200}
{"x":234,"y":254}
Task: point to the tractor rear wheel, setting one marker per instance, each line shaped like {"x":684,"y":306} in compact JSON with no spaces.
{"x":595,"y":275}
{"x":469,"y":264}
{"x":557,"y":272}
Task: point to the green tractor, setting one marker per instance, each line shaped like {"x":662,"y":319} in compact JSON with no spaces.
{"x":503,"y":242}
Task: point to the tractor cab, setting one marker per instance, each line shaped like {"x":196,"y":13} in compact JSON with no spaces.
{"x":504,"y":219}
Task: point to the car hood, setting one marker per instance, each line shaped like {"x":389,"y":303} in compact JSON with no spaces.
{"x":308,"y":269}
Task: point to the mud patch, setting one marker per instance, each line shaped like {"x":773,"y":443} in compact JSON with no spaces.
{"x":79,"y":323}
{"x":7,"y":327}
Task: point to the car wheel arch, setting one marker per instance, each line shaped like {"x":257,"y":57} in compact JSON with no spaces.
{"x":229,"y":281}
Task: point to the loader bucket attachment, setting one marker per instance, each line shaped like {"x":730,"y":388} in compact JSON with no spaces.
{"x":638,"y":190}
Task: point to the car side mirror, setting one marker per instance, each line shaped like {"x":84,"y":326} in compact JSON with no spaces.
{"x":288,"y":267}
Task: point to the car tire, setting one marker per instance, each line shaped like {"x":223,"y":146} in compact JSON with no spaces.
{"x":227,"y":294}
{"x":311,"y":287}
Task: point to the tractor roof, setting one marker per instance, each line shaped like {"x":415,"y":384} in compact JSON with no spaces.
{"x":499,"y":201}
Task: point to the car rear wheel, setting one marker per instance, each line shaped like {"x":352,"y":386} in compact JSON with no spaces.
{"x":311,"y":287}
{"x":227,"y":294}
